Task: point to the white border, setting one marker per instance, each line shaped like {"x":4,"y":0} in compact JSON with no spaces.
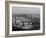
{"x":24,"y":32}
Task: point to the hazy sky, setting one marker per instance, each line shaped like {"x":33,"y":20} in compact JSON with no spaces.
{"x":25,"y":10}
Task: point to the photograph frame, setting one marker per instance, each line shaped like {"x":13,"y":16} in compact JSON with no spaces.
{"x":7,"y":19}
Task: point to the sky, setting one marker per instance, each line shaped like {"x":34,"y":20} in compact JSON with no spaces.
{"x":25,"y":10}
